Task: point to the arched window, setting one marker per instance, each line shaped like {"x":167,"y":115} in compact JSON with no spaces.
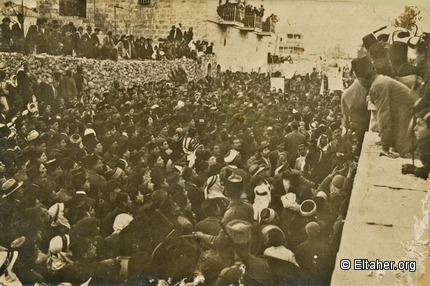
{"x":209,"y":69}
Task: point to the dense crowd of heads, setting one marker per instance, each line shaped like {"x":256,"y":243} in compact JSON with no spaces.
{"x":162,"y":176}
{"x":53,"y":38}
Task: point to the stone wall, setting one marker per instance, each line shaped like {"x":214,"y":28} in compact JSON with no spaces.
{"x":155,"y":20}
{"x":100,"y":74}
{"x":388,"y":219}
{"x":236,"y":50}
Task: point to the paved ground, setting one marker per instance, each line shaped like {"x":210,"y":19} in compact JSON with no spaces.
{"x":388,"y":219}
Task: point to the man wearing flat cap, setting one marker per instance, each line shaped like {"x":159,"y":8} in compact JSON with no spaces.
{"x":394,"y":107}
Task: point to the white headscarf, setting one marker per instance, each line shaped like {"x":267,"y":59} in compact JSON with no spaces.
{"x":57,"y":214}
{"x":59,"y":254}
{"x":121,"y":221}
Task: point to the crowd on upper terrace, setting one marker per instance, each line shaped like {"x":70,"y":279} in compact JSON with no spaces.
{"x":68,"y":40}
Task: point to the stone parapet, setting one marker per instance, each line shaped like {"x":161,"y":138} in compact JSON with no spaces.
{"x":101,"y":73}
{"x":388,"y":220}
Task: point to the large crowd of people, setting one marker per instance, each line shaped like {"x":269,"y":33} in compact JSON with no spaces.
{"x":52,"y":38}
{"x":219,"y":181}
{"x":177,"y":177}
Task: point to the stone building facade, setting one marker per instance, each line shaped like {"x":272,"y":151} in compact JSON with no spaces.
{"x":236,"y":49}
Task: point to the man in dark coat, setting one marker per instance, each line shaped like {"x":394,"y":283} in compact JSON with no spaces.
{"x":19,"y":45}
{"x":48,"y":92}
{"x":292,"y":142}
{"x":26,"y":84}
{"x":313,"y":256}
{"x":6,"y":32}
{"x":172,"y":33}
{"x":178,"y":36}
{"x":37,"y":37}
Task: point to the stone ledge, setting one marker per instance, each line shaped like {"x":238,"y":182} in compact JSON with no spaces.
{"x":101,"y":73}
{"x":388,"y":219}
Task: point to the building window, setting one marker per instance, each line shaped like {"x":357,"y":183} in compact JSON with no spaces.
{"x":209,"y":69}
{"x":144,"y":2}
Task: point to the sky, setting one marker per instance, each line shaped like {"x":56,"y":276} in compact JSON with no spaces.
{"x":27,"y":3}
{"x":324,"y":24}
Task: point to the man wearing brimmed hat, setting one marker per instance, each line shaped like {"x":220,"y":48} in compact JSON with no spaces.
{"x":394,"y":107}
{"x":10,"y":187}
{"x":7,"y":261}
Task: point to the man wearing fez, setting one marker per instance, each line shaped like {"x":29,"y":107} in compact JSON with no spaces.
{"x":394,"y":107}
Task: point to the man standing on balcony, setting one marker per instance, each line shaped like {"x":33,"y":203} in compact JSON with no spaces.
{"x":261,"y":11}
{"x":220,"y":9}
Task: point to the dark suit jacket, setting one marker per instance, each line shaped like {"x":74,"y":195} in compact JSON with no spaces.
{"x":25,"y":88}
{"x":95,"y":39}
{"x":17,"y":31}
{"x":36,"y":37}
{"x":178,"y":34}
{"x":47,"y":92}
{"x":6,"y":33}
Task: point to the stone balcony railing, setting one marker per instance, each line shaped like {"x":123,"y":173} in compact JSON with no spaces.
{"x":252,"y":20}
{"x":269,"y":27}
{"x":235,"y":15}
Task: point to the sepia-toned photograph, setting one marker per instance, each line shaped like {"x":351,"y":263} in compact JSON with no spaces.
{"x":214,"y":142}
